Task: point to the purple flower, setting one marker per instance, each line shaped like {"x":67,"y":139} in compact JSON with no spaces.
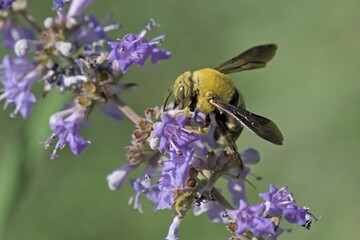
{"x":281,"y":202}
{"x":174,"y":174}
{"x":277,"y":200}
{"x":173,"y":135}
{"x":11,"y":32}
{"x":66,"y":126}
{"x":236,"y":188}
{"x":249,"y":218}
{"x":60,"y":4}
{"x":116,"y":179}
{"x":15,"y":91}
{"x":136,"y":49}
{"x":110,"y":109}
{"x":214,"y":211}
{"x":173,"y":233}
{"x":77,"y":7}
{"x":6,"y":4}
{"x":144,"y":185}
{"x":295,"y":214}
{"x":90,"y":31}
{"x":250,"y":156}
{"x":166,"y":198}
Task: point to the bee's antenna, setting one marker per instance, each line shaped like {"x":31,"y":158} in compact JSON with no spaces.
{"x":167,"y":96}
{"x":250,"y":183}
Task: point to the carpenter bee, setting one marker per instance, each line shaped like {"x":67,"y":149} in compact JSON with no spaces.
{"x":211,"y":91}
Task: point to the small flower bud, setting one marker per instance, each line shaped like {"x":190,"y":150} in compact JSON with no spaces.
{"x":65,"y":48}
{"x":154,"y":142}
{"x":49,"y":22}
{"x":191,"y":182}
{"x":232,"y":226}
{"x":24,"y":46}
{"x":19,"y":5}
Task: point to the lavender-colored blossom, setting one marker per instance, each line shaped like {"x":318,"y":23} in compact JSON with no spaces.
{"x":178,"y":165}
{"x":214,"y":211}
{"x":174,"y":174}
{"x":143,"y":185}
{"x":277,"y":200}
{"x":281,"y":202}
{"x":295,"y":214}
{"x":134,"y":48}
{"x":68,"y":133}
{"x":90,"y":31}
{"x":6,"y":4}
{"x":250,"y":156}
{"x":116,"y":179}
{"x":249,"y":218}
{"x":236,"y":188}
{"x":60,"y":4}
{"x":173,"y":233}
{"x":17,"y":87}
{"x":66,"y":126}
{"x":166,"y":198}
{"x":11,"y":31}
{"x":110,"y":109}
{"x":77,"y":7}
{"x":173,"y":135}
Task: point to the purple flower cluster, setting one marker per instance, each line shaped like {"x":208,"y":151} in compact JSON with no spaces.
{"x":134,"y":48}
{"x":257,"y":219}
{"x":183,"y":165}
{"x":250,"y":218}
{"x":17,"y":84}
{"x":173,"y":136}
{"x":69,"y":53}
{"x":281,"y":202}
{"x":66,"y":126}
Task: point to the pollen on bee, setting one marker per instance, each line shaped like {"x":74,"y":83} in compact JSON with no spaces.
{"x":187,"y":112}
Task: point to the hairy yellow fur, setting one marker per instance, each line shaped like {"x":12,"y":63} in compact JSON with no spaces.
{"x":210,"y":83}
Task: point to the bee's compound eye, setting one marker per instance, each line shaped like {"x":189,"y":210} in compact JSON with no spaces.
{"x":181,"y":93}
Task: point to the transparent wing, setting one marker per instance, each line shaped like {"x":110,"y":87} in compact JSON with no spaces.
{"x":261,"y":126}
{"x":253,"y":58}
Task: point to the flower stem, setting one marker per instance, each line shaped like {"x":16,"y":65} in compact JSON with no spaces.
{"x":126,"y":109}
{"x":27,"y":16}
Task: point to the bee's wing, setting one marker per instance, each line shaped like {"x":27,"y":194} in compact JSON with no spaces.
{"x":261,"y":126}
{"x":253,"y":58}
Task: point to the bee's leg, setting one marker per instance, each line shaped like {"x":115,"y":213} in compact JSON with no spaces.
{"x":230,"y":142}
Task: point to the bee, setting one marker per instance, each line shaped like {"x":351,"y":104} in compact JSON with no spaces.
{"x":211,"y":91}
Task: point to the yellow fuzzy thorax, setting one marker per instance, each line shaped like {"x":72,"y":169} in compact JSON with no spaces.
{"x":209,"y":82}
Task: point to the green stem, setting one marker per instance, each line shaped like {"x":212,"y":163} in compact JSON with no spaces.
{"x":122,"y":106}
{"x":11,"y":177}
{"x":27,"y":16}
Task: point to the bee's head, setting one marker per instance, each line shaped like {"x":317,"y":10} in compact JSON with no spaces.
{"x":183,"y":90}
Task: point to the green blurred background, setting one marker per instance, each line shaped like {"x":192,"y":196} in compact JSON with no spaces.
{"x":311,"y":90}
